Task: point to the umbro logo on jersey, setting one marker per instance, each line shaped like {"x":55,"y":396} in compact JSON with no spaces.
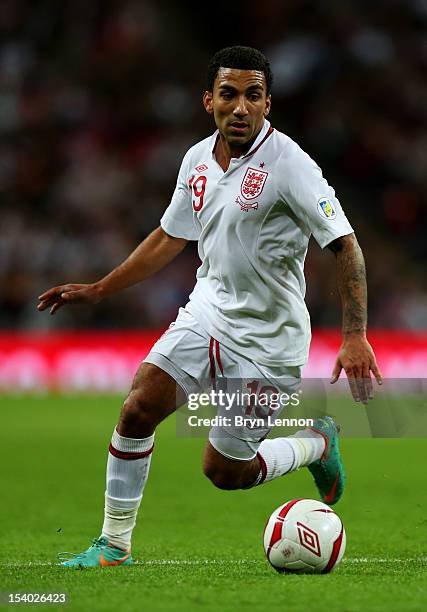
{"x":201,"y":168}
{"x":253,"y":183}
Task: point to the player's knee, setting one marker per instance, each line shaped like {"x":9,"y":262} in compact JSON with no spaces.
{"x":222,"y":479}
{"x":139,"y":412}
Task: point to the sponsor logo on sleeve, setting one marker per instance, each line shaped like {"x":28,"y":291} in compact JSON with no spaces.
{"x":326,"y":208}
{"x":201,"y":168}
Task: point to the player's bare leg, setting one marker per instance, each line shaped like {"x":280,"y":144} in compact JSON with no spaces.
{"x":229,"y":474}
{"x":153,"y":397}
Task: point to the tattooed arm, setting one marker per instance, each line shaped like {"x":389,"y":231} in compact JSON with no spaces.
{"x":356,"y":356}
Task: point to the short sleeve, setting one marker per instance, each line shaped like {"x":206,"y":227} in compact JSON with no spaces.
{"x":178,"y":219}
{"x":302,"y":186}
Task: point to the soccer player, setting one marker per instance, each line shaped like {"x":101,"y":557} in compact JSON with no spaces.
{"x":251,"y":198}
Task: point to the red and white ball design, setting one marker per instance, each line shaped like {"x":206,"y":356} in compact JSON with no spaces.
{"x":304,"y":536}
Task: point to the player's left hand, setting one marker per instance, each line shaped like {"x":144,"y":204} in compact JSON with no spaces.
{"x":357,"y":359}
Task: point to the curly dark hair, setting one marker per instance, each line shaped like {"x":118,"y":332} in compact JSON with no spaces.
{"x":243,"y":58}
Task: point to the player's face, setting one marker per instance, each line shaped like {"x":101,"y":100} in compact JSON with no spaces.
{"x":239,"y":103}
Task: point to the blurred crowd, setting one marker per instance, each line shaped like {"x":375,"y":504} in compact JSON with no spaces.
{"x":100,"y":100}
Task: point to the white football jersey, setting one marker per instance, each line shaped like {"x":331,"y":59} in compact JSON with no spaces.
{"x":253,"y":223}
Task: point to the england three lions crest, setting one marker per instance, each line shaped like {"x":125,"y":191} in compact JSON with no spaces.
{"x":253,"y":183}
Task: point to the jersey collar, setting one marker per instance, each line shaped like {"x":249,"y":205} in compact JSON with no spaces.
{"x":264,"y":133}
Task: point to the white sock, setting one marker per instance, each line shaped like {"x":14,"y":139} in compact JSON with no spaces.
{"x":309,"y":446}
{"x":282,"y":455}
{"x":127,"y":472}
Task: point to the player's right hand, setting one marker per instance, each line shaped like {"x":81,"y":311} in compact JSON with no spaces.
{"x":68,"y":294}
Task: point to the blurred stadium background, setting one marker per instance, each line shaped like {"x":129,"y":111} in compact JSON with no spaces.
{"x":99,"y":101}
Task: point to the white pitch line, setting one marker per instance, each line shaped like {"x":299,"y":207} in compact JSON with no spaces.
{"x":225,"y":562}
{"x":248,"y":561}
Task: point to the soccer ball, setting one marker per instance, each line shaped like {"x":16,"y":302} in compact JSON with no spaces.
{"x":304,"y":536}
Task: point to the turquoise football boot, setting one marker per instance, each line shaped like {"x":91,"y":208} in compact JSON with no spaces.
{"x":328,"y":471}
{"x":99,"y":554}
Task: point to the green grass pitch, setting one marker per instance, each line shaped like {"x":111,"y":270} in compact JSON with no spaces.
{"x":198,"y":548}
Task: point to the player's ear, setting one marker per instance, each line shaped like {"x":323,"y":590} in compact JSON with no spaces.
{"x":208,"y":101}
{"x":267,"y":105}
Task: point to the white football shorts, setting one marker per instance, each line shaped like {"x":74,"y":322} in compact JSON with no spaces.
{"x":196,"y":361}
